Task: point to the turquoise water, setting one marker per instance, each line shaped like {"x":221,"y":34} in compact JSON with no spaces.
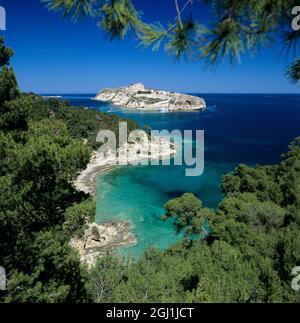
{"x":246,"y":129}
{"x":137,"y":194}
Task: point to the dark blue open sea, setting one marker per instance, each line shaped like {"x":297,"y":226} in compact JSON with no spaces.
{"x":239,"y":128}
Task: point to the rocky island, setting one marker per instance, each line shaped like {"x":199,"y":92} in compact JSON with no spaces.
{"x":136,"y":96}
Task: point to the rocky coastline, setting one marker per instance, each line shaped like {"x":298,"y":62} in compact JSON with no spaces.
{"x":137,"y":97}
{"x":156,"y":149}
{"x":111,"y":235}
{"x":99,"y":239}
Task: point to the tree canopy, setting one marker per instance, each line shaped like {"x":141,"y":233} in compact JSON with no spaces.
{"x":243,"y":251}
{"x":44,"y":144}
{"x":248,"y":258}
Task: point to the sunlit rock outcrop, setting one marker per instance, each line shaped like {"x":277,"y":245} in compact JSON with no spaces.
{"x":136,"y":96}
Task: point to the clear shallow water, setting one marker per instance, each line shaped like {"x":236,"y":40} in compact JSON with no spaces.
{"x":240,"y":128}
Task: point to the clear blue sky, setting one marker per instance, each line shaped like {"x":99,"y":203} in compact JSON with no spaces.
{"x":57,"y":56}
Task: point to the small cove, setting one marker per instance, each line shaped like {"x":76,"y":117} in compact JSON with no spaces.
{"x":239,"y":128}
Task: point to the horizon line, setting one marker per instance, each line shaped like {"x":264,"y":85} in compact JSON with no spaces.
{"x":188,"y":92}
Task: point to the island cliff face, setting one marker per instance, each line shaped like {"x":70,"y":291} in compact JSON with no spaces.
{"x":136,"y":96}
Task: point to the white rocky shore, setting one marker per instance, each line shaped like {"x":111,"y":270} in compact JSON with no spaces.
{"x":136,"y":96}
{"x":100,"y":239}
{"x":154,"y":149}
{"x":109,"y":235}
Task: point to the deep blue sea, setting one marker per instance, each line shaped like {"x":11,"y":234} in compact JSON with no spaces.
{"x":239,"y":128}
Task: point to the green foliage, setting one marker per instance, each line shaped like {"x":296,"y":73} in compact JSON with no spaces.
{"x":86,"y":124}
{"x":105,"y":278}
{"x":73,"y":8}
{"x":43,"y":150}
{"x":7,"y":146}
{"x":258,"y":215}
{"x":56,"y":275}
{"x":259,"y":180}
{"x":180,"y":42}
{"x":249,"y":257}
{"x":95,"y":233}
{"x":293,"y":72}
{"x":118,"y":17}
{"x":222,"y":275}
{"x":147,"y":280}
{"x":188,"y":215}
{"x":77,"y":216}
{"x":289,"y":250}
{"x":183,"y":209}
{"x":8,"y":85}
{"x":44,"y":145}
{"x":5,"y":53}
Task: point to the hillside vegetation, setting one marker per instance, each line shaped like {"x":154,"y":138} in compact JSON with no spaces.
{"x":244,"y":251}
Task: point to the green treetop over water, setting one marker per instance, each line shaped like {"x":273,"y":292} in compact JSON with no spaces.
{"x":237,"y":26}
{"x":254,"y":246}
{"x":8,"y":83}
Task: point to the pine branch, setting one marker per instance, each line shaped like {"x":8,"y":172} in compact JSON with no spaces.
{"x":178,"y":14}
